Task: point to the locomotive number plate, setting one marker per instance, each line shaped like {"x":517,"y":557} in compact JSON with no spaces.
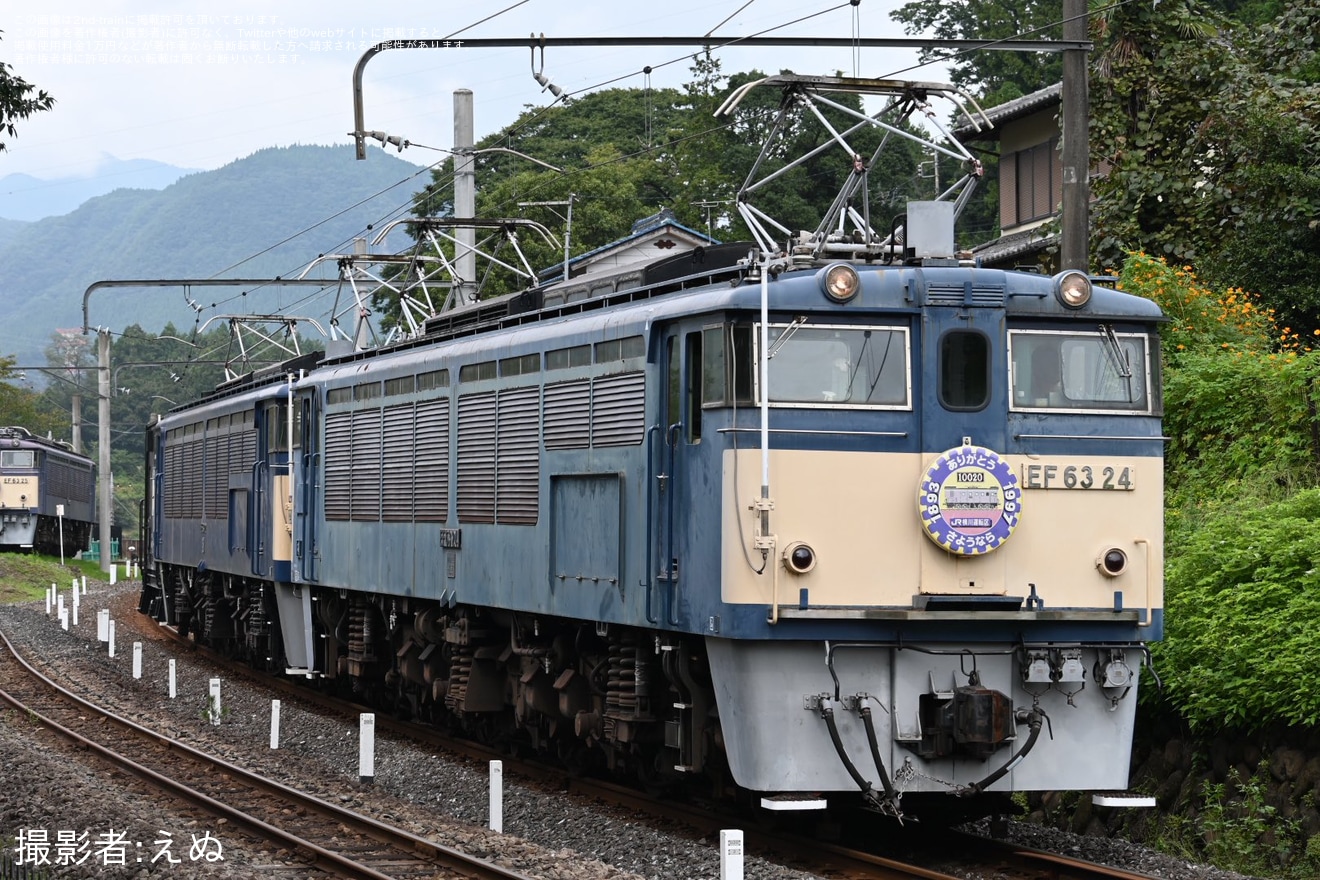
{"x":1111,"y":477}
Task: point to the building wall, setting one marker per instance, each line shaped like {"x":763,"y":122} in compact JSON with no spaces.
{"x":1030,"y":171}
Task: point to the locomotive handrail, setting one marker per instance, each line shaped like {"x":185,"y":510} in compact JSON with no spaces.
{"x":1150,"y":611}
{"x":651,"y":478}
{"x":255,"y":550}
{"x":872,"y":612}
{"x":1089,"y":437}
{"x":672,"y":435}
{"x":814,"y":431}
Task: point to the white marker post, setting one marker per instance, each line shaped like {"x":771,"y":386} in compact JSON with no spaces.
{"x":111,"y":634}
{"x":59,"y":512}
{"x":173,"y":692}
{"x":137,"y":659}
{"x":84,"y":585}
{"x":50,"y":599}
{"x":214,"y":706}
{"x":113,"y":569}
{"x":367,"y":748}
{"x":103,"y":625}
{"x":59,"y":606}
{"x":274,"y":724}
{"x":731,"y":855}
{"x":64,"y":619}
{"x":75,"y":613}
{"x":77,"y":595}
{"x":497,"y":796}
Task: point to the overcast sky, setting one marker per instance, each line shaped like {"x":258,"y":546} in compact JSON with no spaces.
{"x":200,"y":84}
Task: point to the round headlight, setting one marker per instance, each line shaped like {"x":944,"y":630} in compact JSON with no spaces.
{"x":840,"y":282}
{"x":799,"y":558}
{"x":1112,"y":562}
{"x":1073,"y":288}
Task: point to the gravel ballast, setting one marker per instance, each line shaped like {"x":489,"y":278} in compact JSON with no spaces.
{"x":45,"y":784}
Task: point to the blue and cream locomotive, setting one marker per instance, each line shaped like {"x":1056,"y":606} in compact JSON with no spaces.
{"x":47,"y":494}
{"x":823,"y":524}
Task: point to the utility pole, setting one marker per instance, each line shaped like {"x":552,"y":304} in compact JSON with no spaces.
{"x":77,"y":423}
{"x":1074,"y":249}
{"x":105,"y":488}
{"x":465,"y":199}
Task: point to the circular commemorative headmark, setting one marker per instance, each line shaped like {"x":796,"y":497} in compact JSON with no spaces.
{"x":969,"y":501}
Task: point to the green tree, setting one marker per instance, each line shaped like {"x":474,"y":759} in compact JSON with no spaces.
{"x":1154,"y":73}
{"x":17,"y":100}
{"x":1209,"y":134}
{"x":24,"y":408}
{"x":995,"y":77}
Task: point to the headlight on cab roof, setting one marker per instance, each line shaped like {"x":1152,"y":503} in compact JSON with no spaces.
{"x":1073,"y":288}
{"x":839,"y":282}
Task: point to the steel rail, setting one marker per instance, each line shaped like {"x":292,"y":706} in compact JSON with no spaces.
{"x":441,"y":855}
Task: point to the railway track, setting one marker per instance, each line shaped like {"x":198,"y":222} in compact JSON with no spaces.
{"x":1003,"y":861}
{"x":333,"y":840}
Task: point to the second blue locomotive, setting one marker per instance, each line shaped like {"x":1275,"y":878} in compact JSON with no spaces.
{"x":47,"y":494}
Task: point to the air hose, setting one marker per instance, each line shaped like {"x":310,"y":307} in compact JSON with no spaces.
{"x":1035,"y":719}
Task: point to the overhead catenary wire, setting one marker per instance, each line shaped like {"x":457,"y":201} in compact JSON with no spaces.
{"x":394,"y":212}
{"x":646,"y":70}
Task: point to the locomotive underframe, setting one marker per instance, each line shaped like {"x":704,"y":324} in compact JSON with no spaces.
{"x":31,"y":531}
{"x":640,"y":704}
{"x":616,"y":699}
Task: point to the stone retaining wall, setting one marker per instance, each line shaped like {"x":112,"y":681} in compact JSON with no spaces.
{"x":1270,"y":780}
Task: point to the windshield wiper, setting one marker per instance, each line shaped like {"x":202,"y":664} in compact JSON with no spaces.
{"x":783,"y":337}
{"x":1115,"y":351}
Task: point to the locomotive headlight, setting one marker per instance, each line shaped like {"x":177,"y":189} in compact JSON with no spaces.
{"x":1073,"y":288}
{"x":799,"y":558}
{"x":1112,"y":562}
{"x":839,"y":281}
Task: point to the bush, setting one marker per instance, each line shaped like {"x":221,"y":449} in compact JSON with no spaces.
{"x":1242,"y":612}
{"x":1241,"y":585}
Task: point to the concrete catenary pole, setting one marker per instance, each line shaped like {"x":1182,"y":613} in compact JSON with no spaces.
{"x":104,"y":490}
{"x":465,"y":198}
{"x":1074,"y":249}
{"x":77,"y":424}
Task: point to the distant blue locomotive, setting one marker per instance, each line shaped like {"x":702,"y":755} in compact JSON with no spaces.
{"x":851,"y":524}
{"x":47,"y":492}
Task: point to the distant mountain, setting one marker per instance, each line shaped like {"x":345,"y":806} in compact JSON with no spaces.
{"x":286,"y":204}
{"x":9,"y":229}
{"x":23,"y":197}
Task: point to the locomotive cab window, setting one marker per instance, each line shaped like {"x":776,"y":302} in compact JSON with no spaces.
{"x":727,"y":366}
{"x":964,"y":370}
{"x":714,"y":378}
{"x":695,"y":386}
{"x":831,"y":366}
{"x":1080,"y":372}
{"x":18,"y":458}
{"x":277,"y":427}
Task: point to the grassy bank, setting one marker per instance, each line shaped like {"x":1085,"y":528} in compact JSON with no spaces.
{"x":25,"y":577}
